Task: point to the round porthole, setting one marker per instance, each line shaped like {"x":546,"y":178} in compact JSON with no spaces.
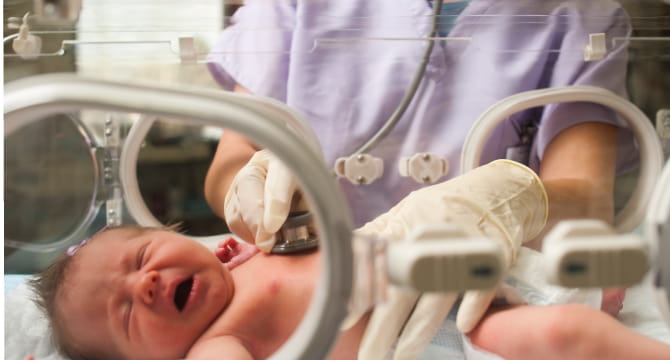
{"x":51,"y":185}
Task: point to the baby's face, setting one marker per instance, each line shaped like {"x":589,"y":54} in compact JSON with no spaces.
{"x":141,"y":294}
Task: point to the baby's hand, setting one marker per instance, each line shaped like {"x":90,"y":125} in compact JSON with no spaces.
{"x":232,"y":252}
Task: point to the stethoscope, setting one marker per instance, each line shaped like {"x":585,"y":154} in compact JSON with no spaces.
{"x":361,"y":168}
{"x":297,"y":234}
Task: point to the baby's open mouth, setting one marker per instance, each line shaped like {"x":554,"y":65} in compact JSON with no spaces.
{"x":182,"y":293}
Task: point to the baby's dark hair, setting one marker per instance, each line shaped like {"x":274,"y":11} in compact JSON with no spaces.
{"x":46,"y":286}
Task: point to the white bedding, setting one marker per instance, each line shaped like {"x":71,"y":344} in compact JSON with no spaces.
{"x":26,"y":328}
{"x":640,"y":313}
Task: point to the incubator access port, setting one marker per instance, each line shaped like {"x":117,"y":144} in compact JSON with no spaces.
{"x":588,"y":253}
{"x":443,"y":258}
{"x":434,"y":258}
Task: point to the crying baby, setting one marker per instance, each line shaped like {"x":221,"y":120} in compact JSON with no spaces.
{"x":148,"y":293}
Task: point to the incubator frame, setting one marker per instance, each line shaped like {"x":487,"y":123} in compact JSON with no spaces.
{"x":657,"y":234}
{"x":32,"y":99}
{"x":651,"y":151}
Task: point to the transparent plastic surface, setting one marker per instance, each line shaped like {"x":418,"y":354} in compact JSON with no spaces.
{"x":49,"y":166}
{"x":657,"y":233}
{"x":370,"y":276}
{"x":348,"y":68}
{"x":52,"y":190}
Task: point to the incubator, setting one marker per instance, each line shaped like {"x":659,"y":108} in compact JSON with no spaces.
{"x":365,"y":105}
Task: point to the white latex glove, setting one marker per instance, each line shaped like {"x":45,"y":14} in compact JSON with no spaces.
{"x":259,"y":200}
{"x":503,"y":200}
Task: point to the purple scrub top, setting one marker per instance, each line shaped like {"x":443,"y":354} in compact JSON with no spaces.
{"x":346,"y":64}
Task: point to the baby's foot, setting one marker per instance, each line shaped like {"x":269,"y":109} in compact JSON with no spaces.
{"x":612,"y":301}
{"x":233,"y":253}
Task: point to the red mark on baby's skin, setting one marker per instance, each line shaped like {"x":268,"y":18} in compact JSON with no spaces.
{"x":233,"y":253}
{"x":274,"y":287}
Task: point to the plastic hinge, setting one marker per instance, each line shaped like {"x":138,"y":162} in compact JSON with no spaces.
{"x":424,"y":168}
{"x":187,"y":50}
{"x":361,"y":169}
{"x":663,"y":123}
{"x":596,"y":48}
{"x":57,"y":12}
{"x":26,"y":45}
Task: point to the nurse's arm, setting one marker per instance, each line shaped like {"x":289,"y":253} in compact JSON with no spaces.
{"x":578,"y":170}
{"x":232,"y":153}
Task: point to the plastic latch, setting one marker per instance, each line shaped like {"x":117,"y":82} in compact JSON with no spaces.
{"x":663,"y":123}
{"x":57,"y":12}
{"x":424,"y":168}
{"x":114,"y":211}
{"x":187,"y":50}
{"x":442,"y":258}
{"x":596,"y":48}
{"x":359,"y":169}
{"x":588,"y":253}
{"x":26,"y":45}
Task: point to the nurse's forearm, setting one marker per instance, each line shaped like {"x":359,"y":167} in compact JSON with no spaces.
{"x":232,"y":153}
{"x":578,"y":171}
{"x":575,"y":199}
{"x":580,"y":199}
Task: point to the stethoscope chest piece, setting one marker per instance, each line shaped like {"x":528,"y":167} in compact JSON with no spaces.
{"x":298,"y":234}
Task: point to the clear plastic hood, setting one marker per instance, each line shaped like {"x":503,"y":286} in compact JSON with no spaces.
{"x":391,"y":98}
{"x":402,"y":88}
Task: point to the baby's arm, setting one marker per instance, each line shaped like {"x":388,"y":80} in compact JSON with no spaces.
{"x":562,"y":332}
{"x":222,"y":347}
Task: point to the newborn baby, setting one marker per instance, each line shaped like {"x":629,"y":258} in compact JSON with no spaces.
{"x":145,"y":293}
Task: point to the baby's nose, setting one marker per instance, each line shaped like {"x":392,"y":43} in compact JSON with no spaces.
{"x":148,"y":287}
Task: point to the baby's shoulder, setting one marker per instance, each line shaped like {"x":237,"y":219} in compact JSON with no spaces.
{"x":215,"y":347}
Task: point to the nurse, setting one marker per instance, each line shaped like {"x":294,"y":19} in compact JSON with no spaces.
{"x":322,"y":59}
{"x":333,"y":62}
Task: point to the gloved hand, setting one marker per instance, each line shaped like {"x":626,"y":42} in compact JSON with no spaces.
{"x":502,"y":200}
{"x":259,"y":200}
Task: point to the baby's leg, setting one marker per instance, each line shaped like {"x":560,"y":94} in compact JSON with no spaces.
{"x":562,"y":332}
{"x":612,"y":301}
